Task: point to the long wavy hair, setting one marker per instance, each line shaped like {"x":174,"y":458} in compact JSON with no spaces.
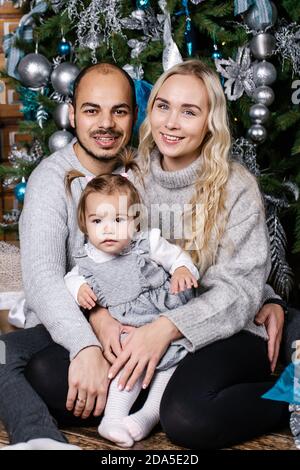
{"x":208,"y":216}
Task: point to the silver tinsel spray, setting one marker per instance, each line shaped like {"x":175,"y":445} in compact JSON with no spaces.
{"x":99,"y":21}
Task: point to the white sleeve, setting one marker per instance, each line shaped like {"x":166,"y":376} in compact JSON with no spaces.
{"x":168,"y":255}
{"x":74,"y":281}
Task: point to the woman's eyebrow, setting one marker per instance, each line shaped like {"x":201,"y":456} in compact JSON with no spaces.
{"x":183,"y":105}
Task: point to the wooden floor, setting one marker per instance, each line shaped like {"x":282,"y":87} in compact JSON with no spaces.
{"x":88,"y":439}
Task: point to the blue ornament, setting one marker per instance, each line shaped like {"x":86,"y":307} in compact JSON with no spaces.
{"x":216,"y":54}
{"x":20,"y":191}
{"x":188,"y":36}
{"x":64,"y":47}
{"x":143,"y":4}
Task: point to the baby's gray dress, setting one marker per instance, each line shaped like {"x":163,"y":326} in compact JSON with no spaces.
{"x":135,"y":290}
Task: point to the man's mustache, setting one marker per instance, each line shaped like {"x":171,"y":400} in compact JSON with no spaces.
{"x":105,"y":132}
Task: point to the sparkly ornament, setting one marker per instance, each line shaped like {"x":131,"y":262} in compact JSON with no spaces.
{"x":264,"y":95}
{"x":259,"y":113}
{"x":64,"y":47}
{"x":34,"y":70}
{"x":239,"y":74}
{"x":262,"y":45}
{"x":288,"y":44}
{"x":264,"y":73}
{"x":93,"y":40}
{"x":281,"y":275}
{"x":196,"y":2}
{"x":19,"y":190}
{"x":56,"y":5}
{"x":171,"y":54}
{"x":188,"y":36}
{"x":245,"y":152}
{"x":256,"y":22}
{"x":257,"y":133}
{"x":61,"y":116}
{"x":63,"y":77}
{"x":41,"y":116}
{"x":59,"y":140}
{"x":99,"y":17}
{"x":143,"y":4}
{"x":216,"y":54}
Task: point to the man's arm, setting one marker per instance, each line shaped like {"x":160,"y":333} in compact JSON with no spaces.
{"x":43,"y":237}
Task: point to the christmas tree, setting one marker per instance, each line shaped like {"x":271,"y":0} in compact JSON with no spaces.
{"x":254,"y":45}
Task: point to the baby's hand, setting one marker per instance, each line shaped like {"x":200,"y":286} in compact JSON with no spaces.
{"x":182,"y":279}
{"x":86,"y":297}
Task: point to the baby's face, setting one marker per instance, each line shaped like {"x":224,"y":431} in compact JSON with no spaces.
{"x":109,"y":227}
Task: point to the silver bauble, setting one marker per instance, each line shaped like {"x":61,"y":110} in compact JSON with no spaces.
{"x":59,"y":139}
{"x":264,"y":95}
{"x":257,"y":133}
{"x":259,"y":113}
{"x":63,"y":76}
{"x":34,"y":70}
{"x":264,"y":73}
{"x":61,"y":116}
{"x":262,"y":45}
{"x":252,"y":18}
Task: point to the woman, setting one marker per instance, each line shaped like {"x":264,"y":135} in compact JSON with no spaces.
{"x":213,"y":398}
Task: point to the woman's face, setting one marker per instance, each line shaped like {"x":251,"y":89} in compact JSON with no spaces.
{"x":179,"y":117}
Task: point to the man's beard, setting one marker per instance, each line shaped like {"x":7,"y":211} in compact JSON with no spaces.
{"x":99,"y":158}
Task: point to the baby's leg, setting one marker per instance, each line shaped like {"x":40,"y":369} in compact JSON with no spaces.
{"x":143,"y":421}
{"x":117,"y":407}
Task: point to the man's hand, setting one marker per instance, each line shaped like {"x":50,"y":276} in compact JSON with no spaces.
{"x":86,"y":297}
{"x":272,"y":316}
{"x":88,"y":383}
{"x":108,"y":331}
{"x":182,"y":279}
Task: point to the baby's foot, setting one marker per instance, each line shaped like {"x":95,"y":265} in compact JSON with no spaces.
{"x":115,"y":431}
{"x":19,"y":446}
{"x":139,"y":425}
{"x":50,"y":444}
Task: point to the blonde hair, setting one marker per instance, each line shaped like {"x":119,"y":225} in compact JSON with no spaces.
{"x":210,"y":188}
{"x":106,"y":184}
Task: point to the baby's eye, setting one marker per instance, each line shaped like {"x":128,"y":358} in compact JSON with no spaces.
{"x":96,"y":221}
{"x":120,"y":219}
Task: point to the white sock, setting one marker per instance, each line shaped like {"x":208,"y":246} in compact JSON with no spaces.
{"x":117,"y":407}
{"x":50,"y":444}
{"x":143,"y":421}
{"x":19,"y":446}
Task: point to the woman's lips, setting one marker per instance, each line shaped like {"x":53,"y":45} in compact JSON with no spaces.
{"x":170,"y":139}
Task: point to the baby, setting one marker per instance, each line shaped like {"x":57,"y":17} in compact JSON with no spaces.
{"x":136,"y":276}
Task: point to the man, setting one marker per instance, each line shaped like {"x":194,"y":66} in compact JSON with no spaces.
{"x":102,"y":113}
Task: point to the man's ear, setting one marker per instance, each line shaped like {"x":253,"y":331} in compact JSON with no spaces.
{"x":72,"y":115}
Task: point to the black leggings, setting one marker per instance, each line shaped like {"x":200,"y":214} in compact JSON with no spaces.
{"x":212,"y":400}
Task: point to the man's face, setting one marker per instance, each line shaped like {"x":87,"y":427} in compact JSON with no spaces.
{"x":103,"y":115}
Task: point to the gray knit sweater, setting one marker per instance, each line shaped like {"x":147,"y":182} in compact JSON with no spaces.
{"x":233,"y":289}
{"x":49,"y":235}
